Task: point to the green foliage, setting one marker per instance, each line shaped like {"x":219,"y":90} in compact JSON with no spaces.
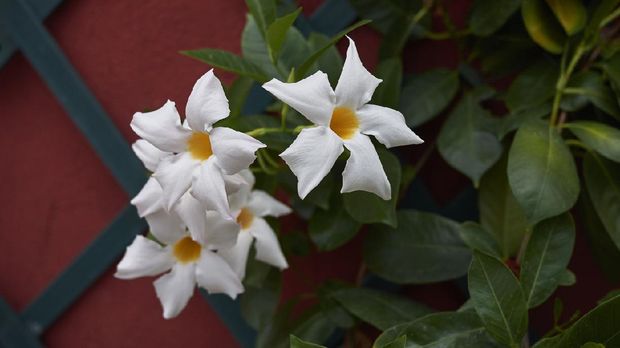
{"x":488,"y":16}
{"x":296,"y":342}
{"x":598,"y":136}
{"x":425,"y":95}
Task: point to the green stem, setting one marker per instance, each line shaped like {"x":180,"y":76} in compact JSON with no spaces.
{"x":610,"y":18}
{"x":563,"y":80}
{"x":267,"y":130}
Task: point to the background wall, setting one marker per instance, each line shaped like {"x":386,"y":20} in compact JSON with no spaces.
{"x":58,"y":196}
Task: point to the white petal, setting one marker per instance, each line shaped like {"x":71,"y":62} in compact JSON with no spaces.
{"x":162,"y":128}
{"x":234,"y":150}
{"x":174,"y":174}
{"x":311,"y":156}
{"x":237,"y":199}
{"x":149,"y":199}
{"x":237,"y":256}
{"x":215,"y":275}
{"x":174,"y":289}
{"x":313,"y":97}
{"x":193,"y":215}
{"x":220,"y":232}
{"x":387,"y":125}
{"x":148,"y":154}
{"x":364,"y":170}
{"x":262,"y":204}
{"x":207,"y":103}
{"x":248,"y":177}
{"x":267,"y":246}
{"x":144,"y":258}
{"x":166,"y":227}
{"x":209,"y":188}
{"x":355,"y":85}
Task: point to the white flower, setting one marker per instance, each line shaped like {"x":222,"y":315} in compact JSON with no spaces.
{"x":197,"y":155}
{"x":342,"y":117}
{"x":191,"y":263}
{"x":251,"y":208}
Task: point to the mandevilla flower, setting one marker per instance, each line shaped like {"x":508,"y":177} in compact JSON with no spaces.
{"x":198,"y":155}
{"x":342,"y":117}
{"x":251,"y":206}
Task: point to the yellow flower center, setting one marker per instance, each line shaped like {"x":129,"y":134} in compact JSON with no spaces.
{"x":199,"y":146}
{"x":344,"y":122}
{"x":186,"y":250}
{"x":245,"y":218}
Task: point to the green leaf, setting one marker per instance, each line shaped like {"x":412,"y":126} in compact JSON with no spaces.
{"x":397,"y":343}
{"x":514,"y":120}
{"x":276,"y":33}
{"x":602,"y":179}
{"x":264,"y":12}
{"x":600,"y":137}
{"x":332,"y":228}
{"x":447,"y":330}
{"x":425,"y":95}
{"x":591,"y":86}
{"x":384,"y":13}
{"x":598,"y":325}
{"x":533,"y":86}
{"x":368,"y":208}
{"x":227,"y":61}
{"x":425,"y":248}
{"x":546,"y":257}
{"x":258,"y":304}
{"x":498,"y":299}
{"x":254,"y":49}
{"x":500,"y":212}
{"x":478,"y":238}
{"x":322,"y":194}
{"x":467,"y":140}
{"x":487,"y":16}
{"x":541,"y":172}
{"x":567,"y":278}
{"x":237,"y":95}
{"x":307,"y":64}
{"x":299,"y":343}
{"x":388,"y":92}
{"x":380,"y":309}
{"x":329,"y":62}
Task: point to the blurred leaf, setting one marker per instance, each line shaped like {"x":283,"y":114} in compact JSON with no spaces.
{"x":542,"y":25}
{"x":487,"y":16}
{"x":264,"y":12}
{"x":592,"y":88}
{"x":598,"y":136}
{"x":571,"y":14}
{"x":368,"y":208}
{"x":227,"y":61}
{"x":541,"y":172}
{"x":429,"y":245}
{"x":258,"y":304}
{"x":295,"y":243}
{"x":478,"y":238}
{"x":380,"y":309}
{"x":567,"y":278}
{"x":384,"y":13}
{"x":598,"y":325}
{"x":546,"y":257}
{"x":533,"y":86}
{"x":498,"y":299}
{"x":425,"y":95}
{"x":332,"y":309}
{"x":388,"y":92}
{"x":602,"y":179}
{"x":332,"y":228}
{"x":329,"y":62}
{"x":298,"y":343}
{"x":500,"y":212}
{"x":467,"y":140}
{"x":320,"y":195}
{"x":254,"y":49}
{"x":314,"y":326}
{"x":397,"y":343}
{"x":514,"y":120}
{"x":447,"y":330}
{"x":276,"y":33}
{"x":237,"y":95}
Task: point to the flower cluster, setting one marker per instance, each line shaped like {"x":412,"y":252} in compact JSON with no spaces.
{"x":200,"y":204}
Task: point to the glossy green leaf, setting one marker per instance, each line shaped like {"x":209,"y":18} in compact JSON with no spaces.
{"x":500,"y":213}
{"x":487,"y":16}
{"x":478,"y":238}
{"x":276,"y":33}
{"x":514,"y":120}
{"x":533,"y":86}
{"x":331,"y":228}
{"x":296,"y":342}
{"x":498,"y":299}
{"x":542,"y":172}
{"x":600,"y":137}
{"x":380,"y":309}
{"x":602,"y":178}
{"x":467,"y":140}
{"x":388,"y":92}
{"x":264,"y":12}
{"x":446,"y":330}
{"x":546,"y":257}
{"x":425,"y":248}
{"x":425,"y":95}
{"x":598,"y":325}
{"x":368,"y":208}
{"x":228,"y":61}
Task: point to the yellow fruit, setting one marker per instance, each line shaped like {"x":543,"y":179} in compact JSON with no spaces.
{"x":571,"y":14}
{"x":542,"y":26}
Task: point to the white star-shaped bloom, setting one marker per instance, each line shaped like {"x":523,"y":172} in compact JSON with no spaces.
{"x":250,"y":207}
{"x":197,"y":155}
{"x":343,"y":118}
